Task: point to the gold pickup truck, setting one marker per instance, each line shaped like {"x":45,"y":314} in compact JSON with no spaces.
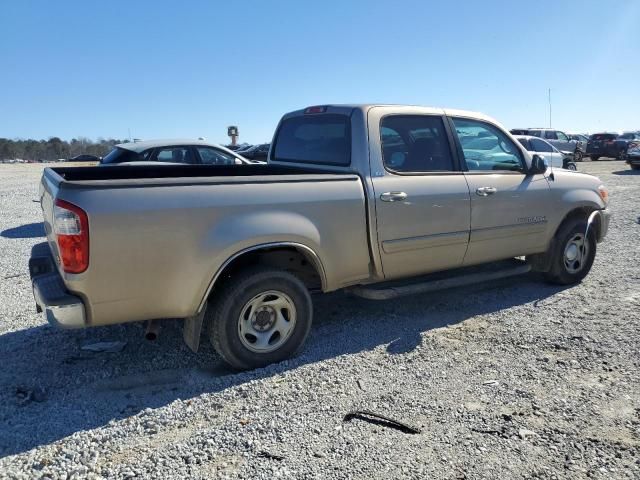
{"x":371,"y":198}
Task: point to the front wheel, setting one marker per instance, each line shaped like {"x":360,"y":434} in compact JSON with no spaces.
{"x":262,"y":316}
{"x":577,"y":156}
{"x":571,"y":166}
{"x":572,"y":253}
{"x":635,"y":167}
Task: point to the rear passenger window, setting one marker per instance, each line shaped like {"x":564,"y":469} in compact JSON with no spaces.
{"x":486,"y":147}
{"x":415,"y":143}
{"x":174,"y":155}
{"x":550,"y":135}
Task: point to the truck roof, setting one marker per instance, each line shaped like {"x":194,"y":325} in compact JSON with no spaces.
{"x":424,"y":109}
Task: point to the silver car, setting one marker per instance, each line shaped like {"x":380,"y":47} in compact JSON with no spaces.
{"x":561,"y":141}
{"x":551,"y":154}
{"x":174,"y":151}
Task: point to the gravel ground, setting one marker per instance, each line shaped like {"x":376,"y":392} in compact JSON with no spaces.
{"x":511,"y":379}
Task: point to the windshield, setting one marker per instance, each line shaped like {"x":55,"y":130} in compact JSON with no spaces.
{"x":324,"y":139}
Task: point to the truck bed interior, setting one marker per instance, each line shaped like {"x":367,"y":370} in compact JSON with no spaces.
{"x":175,"y":171}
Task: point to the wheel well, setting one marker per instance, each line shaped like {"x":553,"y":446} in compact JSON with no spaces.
{"x":583,"y":213}
{"x":290,"y":259}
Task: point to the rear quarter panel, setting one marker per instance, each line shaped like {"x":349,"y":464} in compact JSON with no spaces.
{"x":155,"y":249}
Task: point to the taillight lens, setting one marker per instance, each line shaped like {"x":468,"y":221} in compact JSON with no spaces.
{"x":71,"y":227}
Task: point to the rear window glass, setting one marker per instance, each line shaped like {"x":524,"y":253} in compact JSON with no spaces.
{"x":324,"y":138}
{"x":120,"y":155}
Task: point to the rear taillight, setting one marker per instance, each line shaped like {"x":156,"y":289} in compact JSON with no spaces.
{"x":71,"y":227}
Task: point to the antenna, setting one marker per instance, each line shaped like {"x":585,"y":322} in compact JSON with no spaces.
{"x":549,"y":108}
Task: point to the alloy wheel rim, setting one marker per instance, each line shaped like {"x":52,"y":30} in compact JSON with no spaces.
{"x":266,"y":321}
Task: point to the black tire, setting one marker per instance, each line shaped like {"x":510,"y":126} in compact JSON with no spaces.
{"x":635,"y":167}
{"x":560,"y":272}
{"x":225,"y":309}
{"x":572,"y":166}
{"x":577,"y":156}
{"x":595,"y":158}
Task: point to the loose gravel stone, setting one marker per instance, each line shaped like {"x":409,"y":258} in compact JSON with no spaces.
{"x":509,"y":379}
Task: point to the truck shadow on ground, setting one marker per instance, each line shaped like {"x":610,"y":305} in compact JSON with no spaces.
{"x":626,"y":172}
{"x":28,"y":230}
{"x":76,"y":390}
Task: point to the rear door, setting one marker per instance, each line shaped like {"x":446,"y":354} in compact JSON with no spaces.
{"x":421,"y":195}
{"x":509,"y":208}
{"x":563,"y":142}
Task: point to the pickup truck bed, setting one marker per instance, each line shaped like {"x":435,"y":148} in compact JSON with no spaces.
{"x":180,"y":173}
{"x":182,"y":223}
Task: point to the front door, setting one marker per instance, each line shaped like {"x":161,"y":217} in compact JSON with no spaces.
{"x":509,"y":208}
{"x":421,"y":198}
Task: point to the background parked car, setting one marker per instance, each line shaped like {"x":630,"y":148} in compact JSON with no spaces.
{"x":238,"y":147}
{"x":633,"y":154}
{"x":551,"y":154}
{"x":243,"y":148}
{"x":582,"y":140}
{"x":560,"y":140}
{"x":257,"y":152}
{"x":152,"y":152}
{"x":623,"y":141}
{"x":604,"y":145}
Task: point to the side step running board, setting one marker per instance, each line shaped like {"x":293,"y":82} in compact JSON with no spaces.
{"x":460,"y":280}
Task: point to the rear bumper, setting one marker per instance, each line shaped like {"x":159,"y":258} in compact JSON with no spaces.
{"x":61,"y":308}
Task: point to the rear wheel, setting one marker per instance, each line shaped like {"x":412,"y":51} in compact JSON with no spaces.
{"x":577,"y":156}
{"x":595,"y":158}
{"x":572,"y":253}
{"x":262,"y":316}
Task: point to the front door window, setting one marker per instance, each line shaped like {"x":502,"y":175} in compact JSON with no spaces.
{"x":486,"y":148}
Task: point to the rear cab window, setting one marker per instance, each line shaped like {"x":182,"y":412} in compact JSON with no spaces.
{"x":323,"y":138}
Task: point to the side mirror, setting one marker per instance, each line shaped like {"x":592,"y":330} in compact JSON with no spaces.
{"x":538,"y":165}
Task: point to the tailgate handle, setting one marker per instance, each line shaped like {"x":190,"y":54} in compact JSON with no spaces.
{"x":485,"y":191}
{"x":393,"y":196}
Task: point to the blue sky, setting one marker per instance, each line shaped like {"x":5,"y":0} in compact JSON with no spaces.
{"x":190,"y":68}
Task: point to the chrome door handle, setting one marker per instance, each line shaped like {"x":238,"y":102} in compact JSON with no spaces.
{"x":393,"y":196}
{"x":485,"y":191}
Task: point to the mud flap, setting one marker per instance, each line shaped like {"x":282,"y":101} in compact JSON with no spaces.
{"x":192,"y":328}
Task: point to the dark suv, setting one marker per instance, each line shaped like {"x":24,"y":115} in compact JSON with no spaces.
{"x":604,"y":145}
